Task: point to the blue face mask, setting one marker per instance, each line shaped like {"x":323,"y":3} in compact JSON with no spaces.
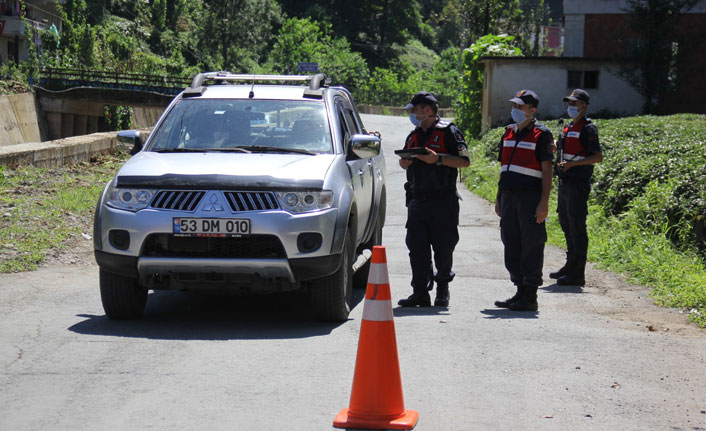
{"x":573,"y":111}
{"x":518,"y":115}
{"x":415,"y":121}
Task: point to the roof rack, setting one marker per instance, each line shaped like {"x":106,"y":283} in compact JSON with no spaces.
{"x":197,"y":84}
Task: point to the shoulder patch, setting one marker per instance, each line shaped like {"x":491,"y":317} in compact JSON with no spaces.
{"x":442,"y":124}
{"x":541,"y":127}
{"x":462,"y":150}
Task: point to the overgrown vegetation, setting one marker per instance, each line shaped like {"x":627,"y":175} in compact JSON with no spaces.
{"x":470,"y":100}
{"x":647,"y":207}
{"x":44,"y":209}
{"x":382,"y":50}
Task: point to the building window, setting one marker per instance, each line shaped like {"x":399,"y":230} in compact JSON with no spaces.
{"x":582,"y":79}
{"x":575,"y":79}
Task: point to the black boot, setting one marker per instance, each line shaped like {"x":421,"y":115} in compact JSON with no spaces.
{"x":418,"y":298}
{"x":442,"y":295}
{"x":575,"y":276}
{"x":506,"y":303}
{"x":528,"y":302}
{"x":563,"y":270}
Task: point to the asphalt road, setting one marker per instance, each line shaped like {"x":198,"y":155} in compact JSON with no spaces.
{"x":600,"y":358}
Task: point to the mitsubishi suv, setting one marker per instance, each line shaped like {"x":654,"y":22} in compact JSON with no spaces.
{"x":249,"y":183}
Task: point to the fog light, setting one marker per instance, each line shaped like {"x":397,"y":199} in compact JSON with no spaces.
{"x":308,"y":242}
{"x":119,"y":239}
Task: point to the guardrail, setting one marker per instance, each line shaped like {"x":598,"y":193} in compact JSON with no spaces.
{"x":60,"y":79}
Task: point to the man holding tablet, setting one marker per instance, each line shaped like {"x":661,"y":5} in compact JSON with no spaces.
{"x":432,"y":154}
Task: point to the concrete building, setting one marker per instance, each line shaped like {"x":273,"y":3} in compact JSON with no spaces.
{"x":552,"y":78}
{"x":41,"y":15}
{"x":598,"y":43}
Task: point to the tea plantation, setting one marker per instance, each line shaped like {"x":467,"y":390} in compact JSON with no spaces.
{"x":647,"y":207}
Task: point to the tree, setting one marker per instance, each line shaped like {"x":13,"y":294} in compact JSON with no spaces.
{"x":234,"y":34}
{"x":470,"y":105}
{"x":374,"y":27}
{"x":465,"y":21}
{"x":303,"y":40}
{"x":655,"y":22}
{"x":76,"y":45}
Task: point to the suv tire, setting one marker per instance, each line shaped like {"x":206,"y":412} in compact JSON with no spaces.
{"x":332,"y":296}
{"x":122,"y":297}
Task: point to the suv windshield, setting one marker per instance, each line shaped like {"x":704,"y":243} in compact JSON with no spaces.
{"x":228,"y":124}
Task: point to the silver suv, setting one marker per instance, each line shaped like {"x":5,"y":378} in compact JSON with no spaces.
{"x":252,"y":183}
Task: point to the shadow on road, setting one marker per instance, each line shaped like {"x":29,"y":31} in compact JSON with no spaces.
{"x":420,"y":311}
{"x":555,"y":288}
{"x":503,"y":313}
{"x":173,"y":315}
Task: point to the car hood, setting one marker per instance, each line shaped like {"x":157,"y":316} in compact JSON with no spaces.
{"x":224,"y":170}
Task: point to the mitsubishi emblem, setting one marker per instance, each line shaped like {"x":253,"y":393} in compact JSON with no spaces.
{"x":213,"y":205}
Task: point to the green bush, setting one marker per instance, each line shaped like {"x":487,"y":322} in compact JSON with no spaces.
{"x":670,"y":150}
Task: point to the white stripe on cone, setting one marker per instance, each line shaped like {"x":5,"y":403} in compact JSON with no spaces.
{"x":377,"y":310}
{"x":378,"y":274}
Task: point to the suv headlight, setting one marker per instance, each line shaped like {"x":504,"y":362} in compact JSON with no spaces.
{"x":129,"y":199}
{"x":301,"y":202}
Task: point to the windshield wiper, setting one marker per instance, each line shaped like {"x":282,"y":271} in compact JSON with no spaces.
{"x":181,"y":150}
{"x":264,"y":149}
{"x":203,"y":150}
{"x":231,"y":149}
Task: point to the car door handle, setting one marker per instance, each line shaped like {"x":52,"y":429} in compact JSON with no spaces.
{"x":361,"y":172}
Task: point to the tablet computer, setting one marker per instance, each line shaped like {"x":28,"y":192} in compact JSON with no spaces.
{"x":411,"y":152}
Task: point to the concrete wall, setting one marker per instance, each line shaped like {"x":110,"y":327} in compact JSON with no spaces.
{"x":18,"y":120}
{"x":548,"y":78}
{"x":145,"y":117}
{"x":60,"y":152}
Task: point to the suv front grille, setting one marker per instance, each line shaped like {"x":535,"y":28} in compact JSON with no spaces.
{"x":249,"y":247}
{"x":251,"y":201}
{"x":182,"y":200}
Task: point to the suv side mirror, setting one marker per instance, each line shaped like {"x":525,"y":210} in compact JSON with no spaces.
{"x":365,"y":146}
{"x":133,"y":137}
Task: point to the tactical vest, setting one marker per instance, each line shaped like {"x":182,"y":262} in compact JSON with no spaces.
{"x":519,"y":157}
{"x":424,"y":178}
{"x":573,"y":151}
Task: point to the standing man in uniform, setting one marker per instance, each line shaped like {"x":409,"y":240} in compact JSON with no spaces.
{"x":432,"y":200}
{"x":579,"y":149}
{"x":525,"y":154}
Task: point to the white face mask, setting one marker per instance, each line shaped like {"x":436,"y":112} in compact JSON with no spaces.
{"x":518,"y":115}
{"x":573,"y":111}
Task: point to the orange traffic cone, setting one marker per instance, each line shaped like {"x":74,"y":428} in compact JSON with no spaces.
{"x":376,"y":397}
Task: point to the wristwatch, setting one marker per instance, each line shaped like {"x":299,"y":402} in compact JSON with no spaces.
{"x":438,"y":162}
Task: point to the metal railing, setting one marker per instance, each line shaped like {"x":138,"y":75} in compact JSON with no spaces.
{"x":60,"y":79}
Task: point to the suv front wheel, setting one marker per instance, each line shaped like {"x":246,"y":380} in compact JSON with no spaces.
{"x":332,"y":296}
{"x":122,"y":297}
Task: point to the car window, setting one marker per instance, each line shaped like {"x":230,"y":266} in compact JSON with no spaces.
{"x":215,"y":124}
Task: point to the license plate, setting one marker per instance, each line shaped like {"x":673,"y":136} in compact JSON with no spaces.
{"x":211,"y":227}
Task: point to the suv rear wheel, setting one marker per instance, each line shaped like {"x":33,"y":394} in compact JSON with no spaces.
{"x":332,"y":296}
{"x":122,"y":297}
